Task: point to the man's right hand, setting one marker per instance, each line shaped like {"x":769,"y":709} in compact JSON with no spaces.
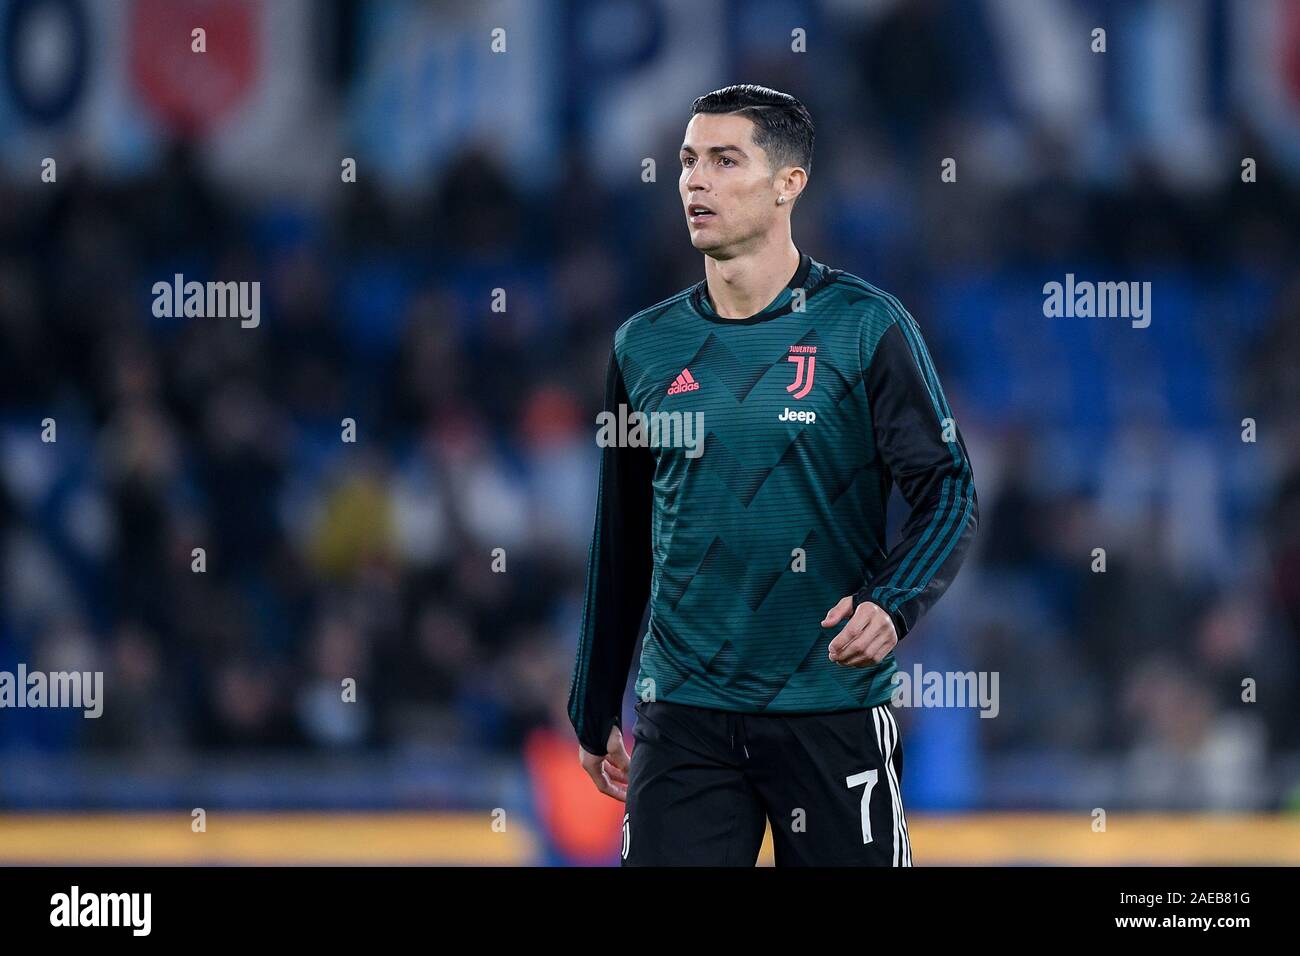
{"x":609,"y":772}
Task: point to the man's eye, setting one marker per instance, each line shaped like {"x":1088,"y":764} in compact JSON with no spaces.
{"x":686,"y":160}
{"x":727,"y":160}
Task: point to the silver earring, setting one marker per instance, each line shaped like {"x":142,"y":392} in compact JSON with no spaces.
{"x":780,"y":199}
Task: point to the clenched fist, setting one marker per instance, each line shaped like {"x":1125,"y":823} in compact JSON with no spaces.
{"x":868,"y":637}
{"x":608,"y":773}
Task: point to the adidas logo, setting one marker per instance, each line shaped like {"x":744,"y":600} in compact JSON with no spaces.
{"x":684,"y":382}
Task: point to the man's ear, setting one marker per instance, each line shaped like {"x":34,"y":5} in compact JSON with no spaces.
{"x":794,"y":177}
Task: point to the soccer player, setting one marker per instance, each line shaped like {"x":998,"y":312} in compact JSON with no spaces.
{"x":775,"y":604}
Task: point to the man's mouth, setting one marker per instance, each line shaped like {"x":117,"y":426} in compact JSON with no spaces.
{"x":699,"y":213}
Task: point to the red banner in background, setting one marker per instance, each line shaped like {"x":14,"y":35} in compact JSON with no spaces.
{"x":192,"y":91}
{"x":1291,"y":51}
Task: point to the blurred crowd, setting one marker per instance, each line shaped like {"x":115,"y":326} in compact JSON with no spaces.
{"x":377,"y":558}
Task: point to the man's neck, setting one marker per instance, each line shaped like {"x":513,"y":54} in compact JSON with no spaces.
{"x":744,"y":285}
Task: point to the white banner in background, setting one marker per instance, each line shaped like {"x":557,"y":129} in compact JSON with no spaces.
{"x":430,"y":85}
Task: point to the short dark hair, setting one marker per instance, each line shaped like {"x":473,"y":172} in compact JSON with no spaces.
{"x":783,"y":127}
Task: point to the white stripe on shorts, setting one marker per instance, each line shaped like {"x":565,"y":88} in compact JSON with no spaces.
{"x":897,"y":787}
{"x":886,"y":735}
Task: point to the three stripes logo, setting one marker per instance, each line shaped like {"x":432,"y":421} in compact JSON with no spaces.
{"x":805,"y":364}
{"x":685,"y":382}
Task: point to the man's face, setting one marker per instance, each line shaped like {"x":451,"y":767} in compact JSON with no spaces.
{"x":724,"y":171}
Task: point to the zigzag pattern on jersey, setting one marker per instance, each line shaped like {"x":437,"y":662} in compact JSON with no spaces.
{"x":847,"y":679}
{"x":746,"y":481}
{"x":748,"y":686}
{"x":755,"y":691}
{"x":722,"y":363}
{"x":752,"y":584}
{"x":669,"y":675}
{"x":726,"y":669}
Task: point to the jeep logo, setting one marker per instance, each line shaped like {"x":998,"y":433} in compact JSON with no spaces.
{"x":791,"y":416}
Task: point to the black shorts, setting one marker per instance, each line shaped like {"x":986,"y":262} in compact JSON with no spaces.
{"x":704,"y":783}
